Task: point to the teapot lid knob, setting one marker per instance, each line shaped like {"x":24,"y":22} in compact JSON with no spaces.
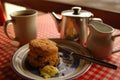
{"x":76,"y":10}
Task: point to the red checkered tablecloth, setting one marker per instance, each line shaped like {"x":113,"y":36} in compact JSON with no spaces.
{"x":47,"y":29}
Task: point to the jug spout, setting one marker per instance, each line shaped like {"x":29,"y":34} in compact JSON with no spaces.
{"x":101,"y":27}
{"x":57,"y":19}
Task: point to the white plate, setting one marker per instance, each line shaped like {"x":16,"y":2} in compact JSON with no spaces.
{"x":70,"y":66}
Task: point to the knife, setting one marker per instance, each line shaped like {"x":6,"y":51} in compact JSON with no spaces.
{"x":88,"y":58}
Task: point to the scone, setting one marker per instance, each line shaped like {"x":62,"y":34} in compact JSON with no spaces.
{"x":43,"y":52}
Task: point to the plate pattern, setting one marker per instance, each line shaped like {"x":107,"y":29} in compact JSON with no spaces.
{"x":70,"y":66}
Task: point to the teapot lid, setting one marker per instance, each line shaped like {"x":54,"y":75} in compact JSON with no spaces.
{"x":76,"y":12}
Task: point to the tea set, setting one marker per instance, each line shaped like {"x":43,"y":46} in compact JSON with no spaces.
{"x":81,"y":26}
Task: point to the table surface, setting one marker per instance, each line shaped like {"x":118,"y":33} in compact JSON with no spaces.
{"x":47,"y":29}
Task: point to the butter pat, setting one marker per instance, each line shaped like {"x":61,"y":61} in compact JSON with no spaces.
{"x":48,"y":71}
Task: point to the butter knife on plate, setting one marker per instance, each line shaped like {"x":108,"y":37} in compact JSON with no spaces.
{"x":88,"y":58}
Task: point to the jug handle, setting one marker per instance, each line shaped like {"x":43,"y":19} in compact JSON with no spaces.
{"x":96,"y":19}
{"x":113,"y":38}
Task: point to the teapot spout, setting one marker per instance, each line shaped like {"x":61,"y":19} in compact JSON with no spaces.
{"x":57,"y":20}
